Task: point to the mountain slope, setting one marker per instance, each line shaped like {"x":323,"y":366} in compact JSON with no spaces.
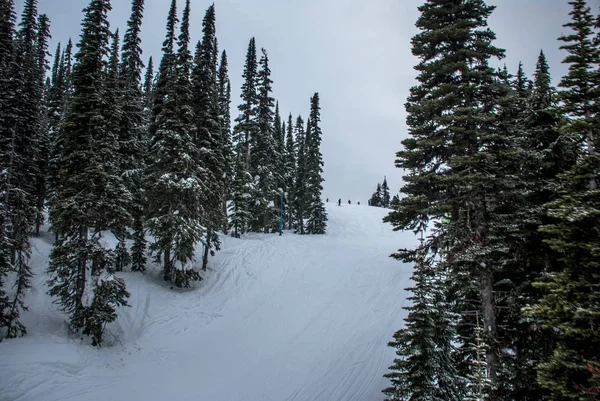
{"x":277,"y":318}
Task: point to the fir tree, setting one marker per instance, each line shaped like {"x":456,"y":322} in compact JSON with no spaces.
{"x":210,"y":143}
{"x":425,"y":367}
{"x":570,"y":305}
{"x":385,"y":194}
{"x":456,"y":156}
{"x":92,"y":199}
{"x":227,"y":145}
{"x":264,"y":155}
{"x":289,"y":170}
{"x":299,"y":188}
{"x":173,"y":179}
{"x":315,"y":209}
{"x":376,"y":197}
{"x":132,"y":133}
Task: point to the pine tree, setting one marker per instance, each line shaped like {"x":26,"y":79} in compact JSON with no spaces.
{"x":290,"y":171}
{"x":246,"y":127}
{"x":425,"y":367}
{"x":299,"y":188}
{"x":208,"y":126}
{"x":385,"y":194}
{"x":376,"y":198}
{"x":570,"y":305}
{"x":132,"y":133}
{"x":8,"y":118}
{"x":174,"y":185}
{"x":263,"y":157}
{"x":315,"y":209}
{"x":456,"y":156}
{"x":92,"y":199}
{"x":279,"y":164}
{"x":227,"y":146}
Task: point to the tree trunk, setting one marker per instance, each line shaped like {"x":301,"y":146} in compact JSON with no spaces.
{"x":167,"y":265}
{"x":489,"y":322}
{"x":206,"y":249}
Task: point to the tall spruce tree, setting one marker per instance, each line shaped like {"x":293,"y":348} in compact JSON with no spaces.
{"x":425,"y":367}
{"x":227,"y":144}
{"x":456,"y":156}
{"x":264,"y":155}
{"x":208,"y":131}
{"x":300,"y":183}
{"x":289,"y":171}
{"x":92,"y":197}
{"x":244,"y":132}
{"x":385,"y":194}
{"x":315,"y":208}
{"x":174,"y":184}
{"x":571,"y":302}
{"x":132,"y":131}
{"x":8,"y":116}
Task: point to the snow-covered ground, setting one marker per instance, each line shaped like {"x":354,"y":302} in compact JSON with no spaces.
{"x":278,"y":318}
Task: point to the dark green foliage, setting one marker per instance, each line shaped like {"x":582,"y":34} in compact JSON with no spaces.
{"x":227,"y":145}
{"x":264,"y":156}
{"x":315,"y":208}
{"x":209,"y":134}
{"x":570,"y":306}
{"x":300,"y":183}
{"x":91,"y":197}
{"x":132,"y":132}
{"x":289,"y":170}
{"x":173,"y":179}
{"x":425,"y":367}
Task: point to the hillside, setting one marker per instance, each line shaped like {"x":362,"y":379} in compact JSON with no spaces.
{"x":277,"y":318}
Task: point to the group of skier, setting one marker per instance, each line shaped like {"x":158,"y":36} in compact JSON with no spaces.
{"x":340,"y":202}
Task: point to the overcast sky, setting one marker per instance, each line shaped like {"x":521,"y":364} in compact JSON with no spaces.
{"x":355,"y":53}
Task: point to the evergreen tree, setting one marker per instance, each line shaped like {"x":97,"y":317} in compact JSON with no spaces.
{"x":456,"y":158}
{"x":315,"y":209}
{"x":290,"y":170}
{"x":91,"y":197}
{"x":246,"y":127}
{"x":570,"y":306}
{"x":385,"y":194}
{"x":425,"y":367}
{"x":227,"y":146}
{"x":264,"y":155}
{"x":132,"y":132}
{"x":174,"y":185}
{"x":7,"y":116}
{"x":210,"y":142}
{"x":299,"y":188}
{"x":279,"y":164}
{"x":376,"y":198}
{"x":148,"y":86}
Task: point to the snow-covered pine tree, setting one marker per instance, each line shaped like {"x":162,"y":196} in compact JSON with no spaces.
{"x":570,"y":306}
{"x":290,"y":171}
{"x":315,"y":208}
{"x":133,"y":134}
{"x":246,"y":125}
{"x":376,"y":197}
{"x":43,"y":140}
{"x":244,"y":132}
{"x":8,"y":116}
{"x":91,"y":197}
{"x":173,"y":176}
{"x":27,"y":128}
{"x":279,"y":167}
{"x":478,"y":383}
{"x":424,"y":369}
{"x":299,"y":188}
{"x":385,"y":194}
{"x":225,"y":112}
{"x":208,"y":134}
{"x":263,"y":157}
{"x":456,"y":155}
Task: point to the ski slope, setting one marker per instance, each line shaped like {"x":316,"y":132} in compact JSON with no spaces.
{"x":277,"y":318}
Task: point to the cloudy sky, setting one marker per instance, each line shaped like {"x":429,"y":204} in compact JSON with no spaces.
{"x":355,"y":53}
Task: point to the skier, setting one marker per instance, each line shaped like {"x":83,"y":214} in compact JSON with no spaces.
{"x":340,"y":202}
{"x":358,"y":203}
{"x":327,"y":200}
{"x":349,"y":202}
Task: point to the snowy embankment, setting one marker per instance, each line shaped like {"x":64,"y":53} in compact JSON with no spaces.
{"x":277,"y":318}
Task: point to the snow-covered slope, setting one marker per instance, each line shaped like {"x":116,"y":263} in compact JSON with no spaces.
{"x":277,"y":318}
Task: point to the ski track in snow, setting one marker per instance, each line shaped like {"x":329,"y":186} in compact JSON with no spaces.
{"x":282,"y":318}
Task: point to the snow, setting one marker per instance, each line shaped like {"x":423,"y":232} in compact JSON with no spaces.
{"x":284,"y":318}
